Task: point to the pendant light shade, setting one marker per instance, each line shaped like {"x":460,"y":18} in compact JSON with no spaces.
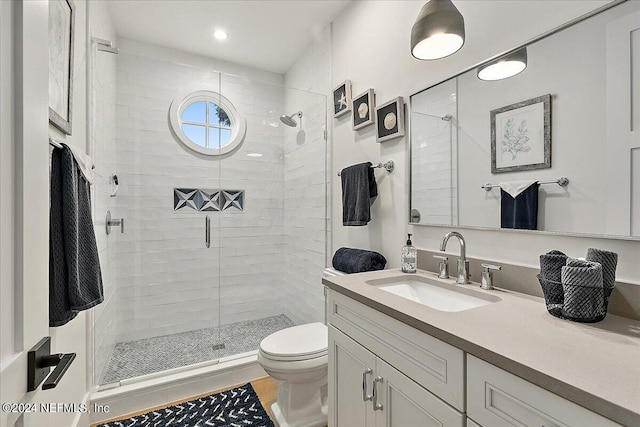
{"x":504,"y":67}
{"x":438,"y":31}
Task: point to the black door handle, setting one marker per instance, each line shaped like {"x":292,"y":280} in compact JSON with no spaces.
{"x":40,"y":361}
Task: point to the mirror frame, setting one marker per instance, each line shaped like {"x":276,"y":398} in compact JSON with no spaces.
{"x":492,"y":58}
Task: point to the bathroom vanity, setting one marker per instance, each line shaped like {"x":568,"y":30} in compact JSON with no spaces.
{"x":403,"y":351}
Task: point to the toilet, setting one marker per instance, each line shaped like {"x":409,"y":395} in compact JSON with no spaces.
{"x":297,"y":357}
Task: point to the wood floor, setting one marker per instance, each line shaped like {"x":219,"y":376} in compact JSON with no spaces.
{"x":266,"y":388}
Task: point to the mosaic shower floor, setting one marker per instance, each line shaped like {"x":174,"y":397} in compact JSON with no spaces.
{"x":146,"y":356}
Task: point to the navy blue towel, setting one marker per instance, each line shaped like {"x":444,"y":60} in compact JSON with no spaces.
{"x":350,"y":260}
{"x":75,"y":279}
{"x":358,"y":187}
{"x":520,"y":212}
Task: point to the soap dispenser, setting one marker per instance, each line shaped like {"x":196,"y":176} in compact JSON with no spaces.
{"x":409,"y":257}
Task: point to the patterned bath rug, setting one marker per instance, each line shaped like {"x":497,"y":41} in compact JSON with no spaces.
{"x":238,"y":407}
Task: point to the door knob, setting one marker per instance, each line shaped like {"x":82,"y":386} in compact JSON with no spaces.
{"x":39,"y":363}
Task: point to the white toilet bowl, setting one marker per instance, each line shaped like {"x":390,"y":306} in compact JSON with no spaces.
{"x":297,"y":358}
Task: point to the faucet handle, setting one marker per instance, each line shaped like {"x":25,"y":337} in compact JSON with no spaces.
{"x":488,"y":267}
{"x":443,"y":267}
{"x":486,"y":281}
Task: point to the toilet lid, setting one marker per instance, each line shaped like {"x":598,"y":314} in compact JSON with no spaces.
{"x":297,"y":343}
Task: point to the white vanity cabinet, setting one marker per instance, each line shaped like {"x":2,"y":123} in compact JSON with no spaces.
{"x":412,"y":373}
{"x":496,"y":398}
{"x":366,"y":391}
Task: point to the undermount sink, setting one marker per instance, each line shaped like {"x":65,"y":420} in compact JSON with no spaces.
{"x":430,"y":293}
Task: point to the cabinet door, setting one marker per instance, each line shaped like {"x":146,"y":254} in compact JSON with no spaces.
{"x":406,"y":404}
{"x":349,"y":363}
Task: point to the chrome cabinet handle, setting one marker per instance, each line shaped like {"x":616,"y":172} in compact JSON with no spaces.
{"x":376,"y":406}
{"x":207,"y":231}
{"x":365,"y":395}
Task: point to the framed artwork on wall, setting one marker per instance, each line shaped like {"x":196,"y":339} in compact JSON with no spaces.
{"x":521,"y":136}
{"x":390,"y":120}
{"x":61,"y":31}
{"x":342,"y":99}
{"x":363,"y":109}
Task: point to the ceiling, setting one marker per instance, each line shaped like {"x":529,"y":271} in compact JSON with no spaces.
{"x":268,"y":34}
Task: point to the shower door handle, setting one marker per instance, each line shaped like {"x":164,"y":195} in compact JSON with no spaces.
{"x":207,"y":231}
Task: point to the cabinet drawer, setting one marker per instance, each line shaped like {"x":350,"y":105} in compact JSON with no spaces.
{"x":497,"y":398}
{"x":435,"y":365}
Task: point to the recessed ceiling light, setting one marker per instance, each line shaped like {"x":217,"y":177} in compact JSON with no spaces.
{"x":220,"y":34}
{"x":254,"y":155}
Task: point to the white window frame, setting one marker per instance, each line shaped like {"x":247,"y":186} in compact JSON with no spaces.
{"x":238,"y":123}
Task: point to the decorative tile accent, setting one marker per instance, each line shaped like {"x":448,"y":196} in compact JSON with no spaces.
{"x":207,"y":200}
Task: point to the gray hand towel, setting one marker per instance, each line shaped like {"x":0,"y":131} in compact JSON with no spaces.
{"x":583,"y":291}
{"x":358,"y":187}
{"x":609,"y":262}
{"x":75,"y":279}
{"x":551,"y":265}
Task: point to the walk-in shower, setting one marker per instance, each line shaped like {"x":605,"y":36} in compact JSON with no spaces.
{"x":171,"y":300}
{"x":289,"y":120}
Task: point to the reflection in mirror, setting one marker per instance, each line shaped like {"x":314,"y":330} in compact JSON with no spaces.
{"x":595,"y":108}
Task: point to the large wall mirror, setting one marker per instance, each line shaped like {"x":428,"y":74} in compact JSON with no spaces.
{"x":588,"y":132}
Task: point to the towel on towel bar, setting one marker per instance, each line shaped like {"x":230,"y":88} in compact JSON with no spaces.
{"x":75,"y":279}
{"x":350,"y":260}
{"x":520,"y":210}
{"x":358,"y":187}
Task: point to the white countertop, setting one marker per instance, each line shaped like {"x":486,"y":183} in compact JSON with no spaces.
{"x":595,"y":365}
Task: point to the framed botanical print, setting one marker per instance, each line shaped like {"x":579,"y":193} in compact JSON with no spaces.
{"x":363,"y":107}
{"x":390,"y":120}
{"x":342,"y":99}
{"x":521,"y":136}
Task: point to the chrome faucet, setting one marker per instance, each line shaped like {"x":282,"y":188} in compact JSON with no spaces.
{"x":463,"y":263}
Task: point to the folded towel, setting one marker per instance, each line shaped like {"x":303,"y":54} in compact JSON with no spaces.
{"x":84,"y":162}
{"x":609,"y":262}
{"x":551,"y":265}
{"x":358,"y":187}
{"x":520,"y":212}
{"x":75,"y":279}
{"x":583,"y":291}
{"x":350,"y":260}
{"x":514,"y":188}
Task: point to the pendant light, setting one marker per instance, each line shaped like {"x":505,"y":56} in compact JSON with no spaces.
{"x":438,"y":31}
{"x":504,"y":67}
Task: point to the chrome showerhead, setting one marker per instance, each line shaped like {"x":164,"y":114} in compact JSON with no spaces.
{"x":289,"y":121}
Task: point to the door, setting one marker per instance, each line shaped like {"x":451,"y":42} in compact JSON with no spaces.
{"x":406,"y":404}
{"x":351,"y":370}
{"x":24,"y":217}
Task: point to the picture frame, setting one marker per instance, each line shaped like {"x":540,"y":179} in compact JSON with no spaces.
{"x":390,"y":122}
{"x":363,"y":107}
{"x":342,"y":99}
{"x":521,"y":136}
{"x":61,"y":44}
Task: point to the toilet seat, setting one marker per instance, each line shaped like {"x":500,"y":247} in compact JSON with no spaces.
{"x":303,"y":342}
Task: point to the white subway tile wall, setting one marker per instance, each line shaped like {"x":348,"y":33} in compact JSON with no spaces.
{"x":103,"y":135}
{"x":433,"y":156}
{"x":305,"y":178}
{"x":167,"y":281}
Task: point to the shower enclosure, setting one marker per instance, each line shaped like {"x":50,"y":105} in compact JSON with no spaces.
{"x":216,"y":252}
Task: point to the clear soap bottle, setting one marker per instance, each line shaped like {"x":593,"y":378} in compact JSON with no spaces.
{"x":409,"y":257}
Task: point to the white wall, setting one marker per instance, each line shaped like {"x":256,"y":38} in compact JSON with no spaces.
{"x":382,"y":60}
{"x":305,"y":182}
{"x":167,"y":281}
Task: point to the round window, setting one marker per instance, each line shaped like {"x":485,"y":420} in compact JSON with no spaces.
{"x":207,"y":122}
